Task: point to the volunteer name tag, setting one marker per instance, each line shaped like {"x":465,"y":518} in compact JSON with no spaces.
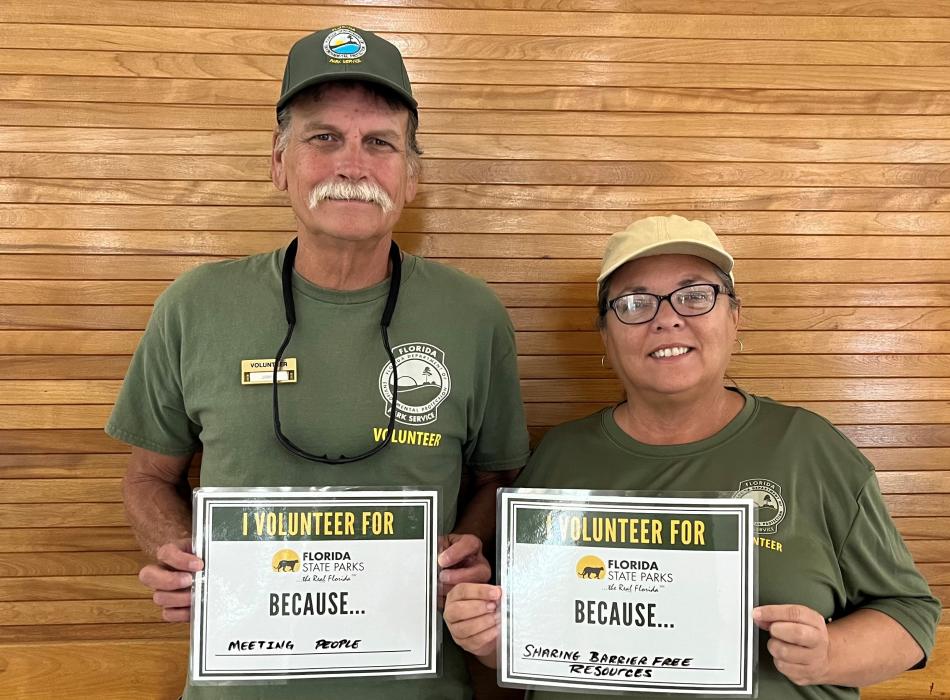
{"x":262,"y":371}
{"x":309,"y":584}
{"x":625,"y":593}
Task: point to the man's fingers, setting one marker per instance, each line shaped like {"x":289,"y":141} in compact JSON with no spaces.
{"x":176,"y":614}
{"x":159,"y":578}
{"x":175,"y":557}
{"x":172,"y":599}
{"x":171,"y":579}
{"x":765,"y":615}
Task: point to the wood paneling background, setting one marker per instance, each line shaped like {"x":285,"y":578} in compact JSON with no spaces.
{"x":134,"y":136}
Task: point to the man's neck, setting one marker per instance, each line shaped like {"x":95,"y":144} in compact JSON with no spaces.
{"x":342,"y":265}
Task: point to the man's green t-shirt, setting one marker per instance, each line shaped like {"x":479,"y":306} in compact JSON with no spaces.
{"x":824,"y":537}
{"x":459,"y":401}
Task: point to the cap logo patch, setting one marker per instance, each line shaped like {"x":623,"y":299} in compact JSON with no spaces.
{"x":344,"y":45}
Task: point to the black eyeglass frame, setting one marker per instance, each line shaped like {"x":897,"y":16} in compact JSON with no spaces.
{"x":287,"y":269}
{"x":660,"y":298}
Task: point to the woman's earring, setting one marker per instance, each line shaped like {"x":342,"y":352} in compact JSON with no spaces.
{"x":603,"y":362}
{"x":741,"y":347}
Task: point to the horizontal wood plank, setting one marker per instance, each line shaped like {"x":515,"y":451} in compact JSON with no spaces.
{"x":932,"y":390}
{"x":53,"y":491}
{"x":758,"y":270}
{"x":530,"y":342}
{"x":513,"y":172}
{"x":62,"y":317}
{"x":540,"y":397}
{"x":60,"y":441}
{"x":447,"y":196}
{"x":749,"y":366}
{"x":79,"y":612}
{"x":71,"y":564}
{"x":255,"y":70}
{"x":28,"y":516}
{"x":838,"y":412}
{"x":109,"y":670}
{"x":937,"y":391}
{"x":105,"y":367}
{"x":54,"y":466}
{"x":248,"y":40}
{"x":481,"y":21}
{"x":586,"y":343}
{"x":71,"y":392}
{"x":33,"y":139}
{"x":874,"y":8}
{"x":922,"y":528}
{"x":22,"y":634}
{"x":67,"y":539}
{"x":95,"y":441}
{"x":514,"y":295}
{"x":121,"y":589}
{"x":525,"y":221}
{"x":908,"y":458}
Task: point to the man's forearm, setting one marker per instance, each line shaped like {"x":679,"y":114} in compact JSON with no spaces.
{"x":154,"y":507}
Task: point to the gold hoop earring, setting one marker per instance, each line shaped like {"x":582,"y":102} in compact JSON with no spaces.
{"x":741,"y":347}
{"x":603,"y":362}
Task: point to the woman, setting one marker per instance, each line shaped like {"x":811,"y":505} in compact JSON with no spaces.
{"x":841,"y":600}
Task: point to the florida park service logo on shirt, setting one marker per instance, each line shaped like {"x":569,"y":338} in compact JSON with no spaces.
{"x":424,"y":383}
{"x":770,"y":506}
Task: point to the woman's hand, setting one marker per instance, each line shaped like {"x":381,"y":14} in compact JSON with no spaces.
{"x":461,"y":561}
{"x":471,"y":613}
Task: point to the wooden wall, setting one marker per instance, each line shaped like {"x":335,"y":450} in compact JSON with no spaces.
{"x":134,"y":141}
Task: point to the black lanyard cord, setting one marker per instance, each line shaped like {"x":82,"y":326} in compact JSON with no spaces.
{"x":291,"y":315}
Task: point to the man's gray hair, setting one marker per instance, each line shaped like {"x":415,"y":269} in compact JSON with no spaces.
{"x":413,"y":151}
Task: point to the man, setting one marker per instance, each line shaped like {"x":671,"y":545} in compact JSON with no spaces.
{"x":344,"y":151}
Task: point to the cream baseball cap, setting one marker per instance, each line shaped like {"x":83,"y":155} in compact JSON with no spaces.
{"x":662,"y":235}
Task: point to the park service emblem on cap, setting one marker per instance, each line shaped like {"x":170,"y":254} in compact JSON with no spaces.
{"x":343,"y":43}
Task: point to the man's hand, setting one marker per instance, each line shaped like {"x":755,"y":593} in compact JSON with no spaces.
{"x":471,"y":614}
{"x":170,"y":579}
{"x":799,"y":644}
{"x":462,"y":561}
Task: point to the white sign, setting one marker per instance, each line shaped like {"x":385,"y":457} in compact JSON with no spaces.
{"x":305,"y":584}
{"x":609,"y":592}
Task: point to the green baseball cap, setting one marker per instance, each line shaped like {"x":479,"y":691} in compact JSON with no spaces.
{"x":344,"y":53}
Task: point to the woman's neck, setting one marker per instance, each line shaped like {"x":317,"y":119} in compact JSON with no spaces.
{"x":665,"y":422}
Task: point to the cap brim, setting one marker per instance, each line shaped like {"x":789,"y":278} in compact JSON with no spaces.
{"x":400,"y":92}
{"x":714,"y":255}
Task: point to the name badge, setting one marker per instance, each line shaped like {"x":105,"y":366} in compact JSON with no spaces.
{"x":262,"y":371}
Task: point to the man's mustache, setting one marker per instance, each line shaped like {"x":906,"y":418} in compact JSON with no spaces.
{"x":362,"y":191}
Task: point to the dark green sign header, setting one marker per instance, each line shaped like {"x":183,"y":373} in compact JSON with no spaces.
{"x":298,"y":524}
{"x":593,"y":528}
